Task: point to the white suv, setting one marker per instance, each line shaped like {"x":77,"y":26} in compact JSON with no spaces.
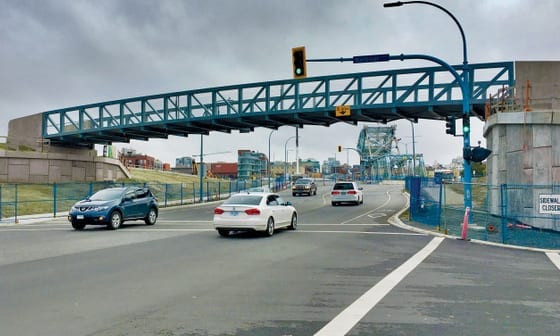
{"x":346,"y":192}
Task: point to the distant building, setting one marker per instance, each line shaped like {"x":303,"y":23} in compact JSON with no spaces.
{"x":184,"y":162}
{"x":130,"y":158}
{"x":225,"y":170}
{"x":310,"y":167}
{"x":251,"y":165}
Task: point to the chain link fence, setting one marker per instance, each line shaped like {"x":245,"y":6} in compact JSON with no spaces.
{"x":51,"y":200}
{"x":525,"y":215}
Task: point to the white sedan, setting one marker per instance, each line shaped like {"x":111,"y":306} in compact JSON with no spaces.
{"x":258,"y":211}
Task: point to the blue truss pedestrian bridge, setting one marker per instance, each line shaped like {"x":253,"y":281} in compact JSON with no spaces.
{"x":379,"y":96}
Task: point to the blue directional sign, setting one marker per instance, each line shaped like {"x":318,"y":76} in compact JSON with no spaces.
{"x":371,"y":58}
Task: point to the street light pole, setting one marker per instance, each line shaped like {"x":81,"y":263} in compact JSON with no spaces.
{"x":268,"y":166}
{"x":413,"y":151}
{"x":465,"y":89}
{"x":286,"y":158}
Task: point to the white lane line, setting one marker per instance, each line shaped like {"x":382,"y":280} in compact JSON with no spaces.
{"x":369,"y":212}
{"x":555,"y":258}
{"x":350,"y":316}
{"x":319,"y":224}
{"x":366,"y":232}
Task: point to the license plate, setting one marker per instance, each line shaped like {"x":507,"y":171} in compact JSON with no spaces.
{"x":343,"y":193}
{"x":234,"y":213}
{"x":80,"y":217}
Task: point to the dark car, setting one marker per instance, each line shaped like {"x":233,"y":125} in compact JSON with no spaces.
{"x":113,"y":206}
{"x":304,"y":186}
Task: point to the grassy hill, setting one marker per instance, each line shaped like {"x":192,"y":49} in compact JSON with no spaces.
{"x":147,"y":175}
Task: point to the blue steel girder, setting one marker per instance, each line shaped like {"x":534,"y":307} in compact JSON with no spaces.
{"x":380,"y":96}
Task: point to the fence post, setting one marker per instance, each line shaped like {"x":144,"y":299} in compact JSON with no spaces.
{"x":182,"y":193}
{"x":503,"y":205}
{"x":193,"y":193}
{"x":219,"y":190}
{"x":0,"y":202}
{"x":166,"y":191}
{"x":54,"y":197}
{"x":207,"y":191}
{"x":16,"y":204}
{"x":440,"y":207}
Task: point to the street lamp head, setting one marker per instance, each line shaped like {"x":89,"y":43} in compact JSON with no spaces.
{"x":393,"y":4}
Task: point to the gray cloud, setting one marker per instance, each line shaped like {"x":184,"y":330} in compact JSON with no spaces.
{"x":61,"y":53}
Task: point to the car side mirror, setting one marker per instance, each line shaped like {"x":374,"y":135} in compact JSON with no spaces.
{"x":361,"y":188}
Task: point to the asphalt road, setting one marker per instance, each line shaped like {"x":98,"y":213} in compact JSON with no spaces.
{"x":344,"y":271}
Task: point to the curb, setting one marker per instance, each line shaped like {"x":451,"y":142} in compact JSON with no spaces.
{"x":396,"y":221}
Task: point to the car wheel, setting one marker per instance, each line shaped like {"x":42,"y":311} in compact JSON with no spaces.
{"x":293,"y":222}
{"x":334,"y":203}
{"x":362,"y":201}
{"x":151,"y":218}
{"x":78,"y":226}
{"x":115,"y":220}
{"x":294,"y":194}
{"x":223,"y":232}
{"x":269,"y":227}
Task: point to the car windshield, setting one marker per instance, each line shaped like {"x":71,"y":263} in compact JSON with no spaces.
{"x":107,"y":195}
{"x":343,"y":186}
{"x":303,"y":181}
{"x":244,"y":199}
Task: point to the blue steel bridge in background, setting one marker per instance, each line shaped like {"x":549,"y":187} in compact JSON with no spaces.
{"x":380,"y":96}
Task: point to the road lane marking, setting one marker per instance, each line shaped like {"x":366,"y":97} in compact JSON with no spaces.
{"x":319,"y":224}
{"x":555,"y":258}
{"x":367,"y":232}
{"x":350,"y":316}
{"x":369,"y":212}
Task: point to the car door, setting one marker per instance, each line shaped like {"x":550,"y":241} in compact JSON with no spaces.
{"x":284,"y":211}
{"x":275,"y":208}
{"x":128,"y":204}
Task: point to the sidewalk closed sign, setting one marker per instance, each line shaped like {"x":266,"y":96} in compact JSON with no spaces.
{"x":549,"y":204}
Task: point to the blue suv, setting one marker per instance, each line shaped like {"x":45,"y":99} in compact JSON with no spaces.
{"x":113,"y":206}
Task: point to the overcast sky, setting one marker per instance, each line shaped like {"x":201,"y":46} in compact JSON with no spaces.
{"x":60,"y":53}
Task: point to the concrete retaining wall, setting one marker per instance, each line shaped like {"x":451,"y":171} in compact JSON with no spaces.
{"x":33,"y":160}
{"x":32,"y":167}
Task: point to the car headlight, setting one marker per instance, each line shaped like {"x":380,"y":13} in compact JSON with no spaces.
{"x":100,"y":208}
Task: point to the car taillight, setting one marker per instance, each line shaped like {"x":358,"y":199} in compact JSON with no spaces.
{"x":335,"y":192}
{"x":352,"y":192}
{"x":218,"y":211}
{"x":253,"y":211}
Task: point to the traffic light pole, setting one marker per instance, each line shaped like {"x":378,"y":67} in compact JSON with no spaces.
{"x":464,"y":84}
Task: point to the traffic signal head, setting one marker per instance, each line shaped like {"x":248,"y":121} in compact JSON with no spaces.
{"x":299,"y":62}
{"x":450,"y":125}
{"x":466,"y":124}
{"x":339,"y":148}
{"x":480,"y":154}
{"x":476,"y":154}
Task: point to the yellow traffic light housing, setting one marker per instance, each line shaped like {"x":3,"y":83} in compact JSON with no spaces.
{"x":299,"y":63}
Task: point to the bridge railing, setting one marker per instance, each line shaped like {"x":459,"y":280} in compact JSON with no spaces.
{"x":391,"y":89}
